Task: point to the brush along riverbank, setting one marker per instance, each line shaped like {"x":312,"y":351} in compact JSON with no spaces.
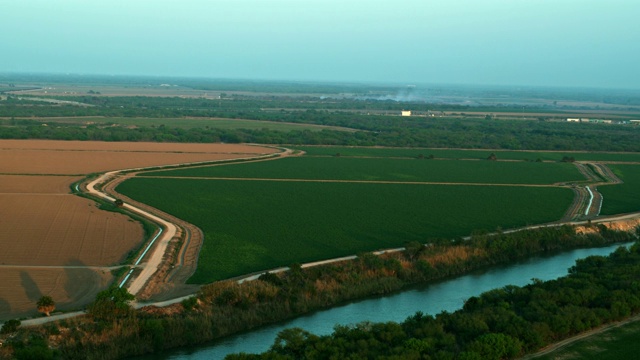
{"x":226,"y":307}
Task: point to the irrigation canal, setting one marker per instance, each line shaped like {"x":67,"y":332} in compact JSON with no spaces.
{"x":448,"y":295}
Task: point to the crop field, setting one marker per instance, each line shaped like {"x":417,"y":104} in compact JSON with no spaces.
{"x":468,"y":154}
{"x":613,"y":344}
{"x":622,"y":198}
{"x":403,"y":170}
{"x":190,"y":123}
{"x":257,"y":225}
{"x":58,"y":244}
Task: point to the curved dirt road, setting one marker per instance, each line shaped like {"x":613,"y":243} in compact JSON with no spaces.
{"x":161,"y":242}
{"x":158,"y":246}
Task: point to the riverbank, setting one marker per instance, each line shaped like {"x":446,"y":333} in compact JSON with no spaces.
{"x":224,"y":308}
{"x":504,"y":323}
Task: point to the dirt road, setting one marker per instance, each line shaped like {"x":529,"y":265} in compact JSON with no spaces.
{"x":561,"y":344}
{"x":156,"y":250}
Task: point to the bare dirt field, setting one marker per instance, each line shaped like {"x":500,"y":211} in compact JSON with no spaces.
{"x":134,"y":146}
{"x":52,"y":241}
{"x":54,"y":229}
{"x":80,"y":157}
{"x":69,"y":287}
{"x":28,"y":184}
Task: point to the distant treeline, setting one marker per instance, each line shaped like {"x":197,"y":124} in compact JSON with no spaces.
{"x":372,"y":131}
{"x":424,"y":91}
{"x":500,"y":324}
{"x":179,"y":106}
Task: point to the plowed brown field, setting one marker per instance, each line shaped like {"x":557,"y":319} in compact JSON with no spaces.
{"x":54,"y":229}
{"x":70,"y":288}
{"x":42,"y":224}
{"x":78,"y":157}
{"x":25,"y":184}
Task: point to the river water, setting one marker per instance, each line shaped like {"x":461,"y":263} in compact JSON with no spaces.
{"x":448,"y":295}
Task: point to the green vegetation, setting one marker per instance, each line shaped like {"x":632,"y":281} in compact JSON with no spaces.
{"x":111,"y":304}
{"x":256,"y":225}
{"x":613,"y":344}
{"x":622,"y":198}
{"x":503,"y":323}
{"x":188,"y":123}
{"x":10,"y":326}
{"x":497,"y":317}
{"x":384,"y":169}
{"x":188,"y":119}
{"x":46,"y":305}
{"x":465,"y":154}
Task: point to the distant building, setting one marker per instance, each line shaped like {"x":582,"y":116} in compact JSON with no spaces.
{"x":573,"y":120}
{"x":406,"y":113}
{"x":634,"y":122}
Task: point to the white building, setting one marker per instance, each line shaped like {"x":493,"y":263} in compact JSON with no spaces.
{"x":406,"y":113}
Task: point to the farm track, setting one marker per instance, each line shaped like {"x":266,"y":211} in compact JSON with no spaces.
{"x":564,"y":343}
{"x":163,"y":291}
{"x":171,"y":276}
{"x":588,"y":200}
{"x":175,"y":256}
{"x":63,"y":245}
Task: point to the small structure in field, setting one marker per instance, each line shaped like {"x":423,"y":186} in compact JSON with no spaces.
{"x":406,"y":113}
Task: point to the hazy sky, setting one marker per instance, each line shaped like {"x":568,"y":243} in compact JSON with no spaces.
{"x":512,"y":42}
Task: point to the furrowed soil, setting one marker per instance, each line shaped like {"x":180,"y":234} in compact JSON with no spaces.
{"x":69,"y":287}
{"x":55,"y":229}
{"x":58,"y":244}
{"x":29,"y":184}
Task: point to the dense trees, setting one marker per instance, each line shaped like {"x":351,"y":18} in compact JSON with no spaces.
{"x":461,"y":131}
{"x":111,"y":304}
{"x":500,"y":324}
{"x":10,"y":326}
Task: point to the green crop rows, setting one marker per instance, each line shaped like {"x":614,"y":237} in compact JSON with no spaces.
{"x":467,"y":154}
{"x":622,"y":198}
{"x":257,"y":225}
{"x":387,"y":169}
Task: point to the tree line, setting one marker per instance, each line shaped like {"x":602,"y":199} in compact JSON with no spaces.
{"x":113,"y":330}
{"x":371,"y":131}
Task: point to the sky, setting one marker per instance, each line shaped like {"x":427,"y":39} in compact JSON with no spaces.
{"x":593,"y":43}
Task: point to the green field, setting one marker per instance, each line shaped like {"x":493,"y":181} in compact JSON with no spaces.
{"x":622,"y":198}
{"x":257,"y":225}
{"x":614,"y":344}
{"x":191,"y":123}
{"x":468,"y":154}
{"x":386,"y":169}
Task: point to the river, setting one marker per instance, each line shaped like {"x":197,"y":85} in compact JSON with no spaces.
{"x":448,"y":295}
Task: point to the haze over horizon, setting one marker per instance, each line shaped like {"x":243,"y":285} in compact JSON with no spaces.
{"x":568,"y":43}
